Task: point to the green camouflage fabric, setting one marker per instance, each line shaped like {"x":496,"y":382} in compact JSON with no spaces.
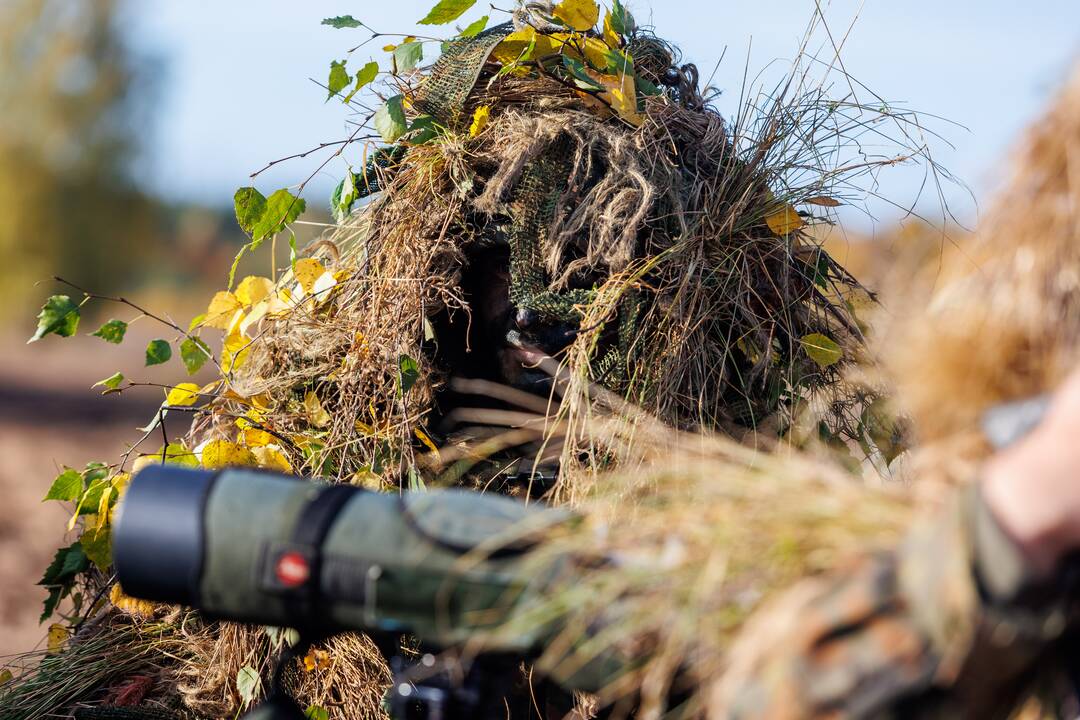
{"x":912,"y":633}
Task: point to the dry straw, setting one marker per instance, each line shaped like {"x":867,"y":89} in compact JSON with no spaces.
{"x":998,"y":319}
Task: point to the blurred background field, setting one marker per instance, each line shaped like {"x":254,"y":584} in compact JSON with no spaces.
{"x":126,"y":126}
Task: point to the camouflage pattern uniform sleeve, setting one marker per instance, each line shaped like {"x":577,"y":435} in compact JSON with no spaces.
{"x":943,"y":626}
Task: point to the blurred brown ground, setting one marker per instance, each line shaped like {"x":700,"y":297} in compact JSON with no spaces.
{"x":50,"y":418}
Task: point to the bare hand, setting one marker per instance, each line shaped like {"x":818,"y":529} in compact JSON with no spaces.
{"x":1033,"y":487}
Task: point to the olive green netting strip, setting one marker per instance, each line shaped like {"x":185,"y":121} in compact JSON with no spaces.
{"x":446,"y":90}
{"x":532,"y":209}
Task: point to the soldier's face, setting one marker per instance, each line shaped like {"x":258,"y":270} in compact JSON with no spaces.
{"x":517,"y":340}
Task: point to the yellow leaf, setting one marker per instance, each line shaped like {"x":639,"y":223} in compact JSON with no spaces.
{"x":58,"y":635}
{"x":182,"y":395}
{"x":423,"y":437}
{"x":596,"y":52}
{"x":389,"y":48}
{"x":5,"y":676}
{"x":621,"y":94}
{"x":252,"y":289}
{"x":307,"y":271}
{"x":130,"y":605}
{"x":785,"y":220}
{"x":511,"y":47}
{"x":581,"y":15}
{"x":823,"y":200}
{"x":222,"y":453}
{"x":612,"y":38}
{"x":280,"y":303}
{"x":323,"y":284}
{"x":623,"y":100}
{"x":272,"y":459}
{"x":120,"y":483}
{"x":365,"y":478}
{"x":221,"y":310}
{"x":254,"y":438}
{"x":316,"y":660}
{"x":235,"y":352}
{"x":258,"y":312}
{"x":252,"y":417}
{"x":316,"y":413}
{"x":103,"y":510}
{"x":822,"y":349}
{"x":144,"y":460}
{"x":480,"y":120}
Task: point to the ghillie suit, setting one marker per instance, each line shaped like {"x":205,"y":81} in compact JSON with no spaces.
{"x":651,"y":247}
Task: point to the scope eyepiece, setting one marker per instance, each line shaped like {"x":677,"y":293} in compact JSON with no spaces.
{"x":158,"y":538}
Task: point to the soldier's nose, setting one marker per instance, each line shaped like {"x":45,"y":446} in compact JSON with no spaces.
{"x":525,"y":318}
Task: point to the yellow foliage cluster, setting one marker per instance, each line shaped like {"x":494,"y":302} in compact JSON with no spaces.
{"x":599,"y":65}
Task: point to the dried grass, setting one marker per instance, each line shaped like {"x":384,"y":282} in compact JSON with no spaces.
{"x":999,"y":319}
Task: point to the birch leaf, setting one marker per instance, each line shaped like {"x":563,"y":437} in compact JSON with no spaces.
{"x":822,"y":349}
{"x":784,"y":221}
{"x":581,"y":15}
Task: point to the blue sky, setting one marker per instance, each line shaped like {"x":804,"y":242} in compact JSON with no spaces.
{"x":235,"y":92}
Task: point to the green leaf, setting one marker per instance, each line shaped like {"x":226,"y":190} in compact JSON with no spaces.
{"x":58,"y":315}
{"x":339,"y":78}
{"x":250,"y":206}
{"x":97,"y":544}
{"x":408,"y":374}
{"x":67,"y":486}
{"x":407,"y":56}
{"x":88,"y":503}
{"x":646,"y":87}
{"x":389,"y":119}
{"x":194,"y":352}
{"x":423,"y":129}
{"x":316,"y":712}
{"x":236,"y":262}
{"x":447,"y":11}
{"x":342,"y":21}
{"x":110,"y":383}
{"x":176,"y":454}
{"x":822,"y":349}
{"x":56,"y":594}
{"x":282,"y":208}
{"x":367,"y":74}
{"x":157,"y":352}
{"x":66,"y":564}
{"x":622,"y":21}
{"x":196,"y":321}
{"x":248,"y":684}
{"x":112,"y":331}
{"x":475,"y":28}
{"x":344,"y":196}
{"x":581,"y":77}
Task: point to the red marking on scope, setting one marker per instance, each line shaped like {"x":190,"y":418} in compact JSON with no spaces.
{"x":292,"y":569}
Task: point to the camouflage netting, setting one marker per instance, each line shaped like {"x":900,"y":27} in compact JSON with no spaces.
{"x":669,"y":245}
